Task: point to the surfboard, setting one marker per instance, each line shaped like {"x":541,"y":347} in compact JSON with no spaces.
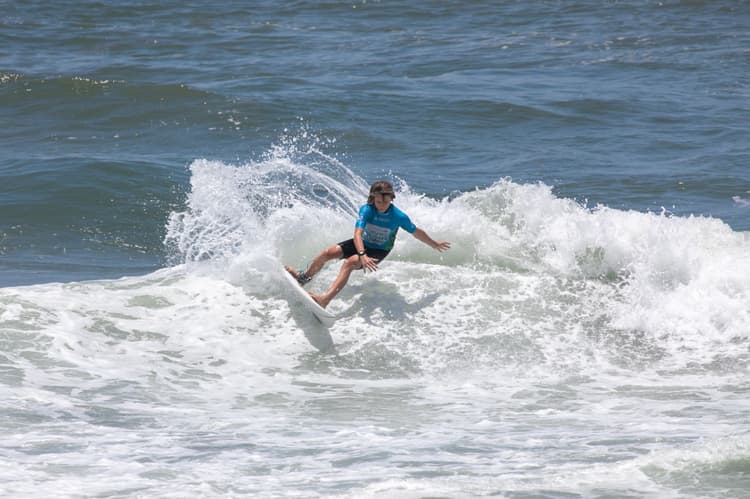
{"x":323,"y":315}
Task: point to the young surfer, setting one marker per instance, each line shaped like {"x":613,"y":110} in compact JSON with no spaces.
{"x":374,"y":234}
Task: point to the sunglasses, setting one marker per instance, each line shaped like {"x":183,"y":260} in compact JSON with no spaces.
{"x":384,"y":194}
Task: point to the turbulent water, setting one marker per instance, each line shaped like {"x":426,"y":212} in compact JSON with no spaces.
{"x":587,"y":335}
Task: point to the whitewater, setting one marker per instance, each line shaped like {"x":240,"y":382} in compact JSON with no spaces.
{"x":557,"y":350}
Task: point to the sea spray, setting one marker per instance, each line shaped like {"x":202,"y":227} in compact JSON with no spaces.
{"x":562,"y":283}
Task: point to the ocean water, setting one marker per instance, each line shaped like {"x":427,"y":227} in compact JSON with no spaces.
{"x":587,"y":336}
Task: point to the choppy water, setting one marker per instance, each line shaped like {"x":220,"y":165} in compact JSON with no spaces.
{"x":586,"y":336}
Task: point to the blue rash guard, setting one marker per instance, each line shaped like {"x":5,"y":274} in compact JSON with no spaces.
{"x":380,"y":228}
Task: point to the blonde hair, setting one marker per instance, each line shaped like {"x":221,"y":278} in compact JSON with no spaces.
{"x":378,"y":187}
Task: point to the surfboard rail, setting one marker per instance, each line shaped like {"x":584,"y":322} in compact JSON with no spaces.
{"x":302,"y":296}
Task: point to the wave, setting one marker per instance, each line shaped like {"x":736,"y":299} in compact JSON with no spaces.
{"x":544,"y":310}
{"x":262,"y":206}
{"x":534,"y":285}
{"x":79,"y":85}
{"x":741,"y":202}
{"x":528,"y":271}
{"x":71,"y":214}
{"x":95,"y":107}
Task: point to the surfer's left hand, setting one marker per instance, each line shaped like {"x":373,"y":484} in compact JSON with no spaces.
{"x":368,"y":263}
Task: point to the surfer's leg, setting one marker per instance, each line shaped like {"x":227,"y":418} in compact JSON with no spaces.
{"x":350,"y":264}
{"x":333,"y":253}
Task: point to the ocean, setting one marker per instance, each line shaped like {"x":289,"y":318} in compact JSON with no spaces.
{"x":586,"y":336}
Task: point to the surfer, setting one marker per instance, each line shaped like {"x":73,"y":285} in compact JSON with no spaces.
{"x":374,"y":234}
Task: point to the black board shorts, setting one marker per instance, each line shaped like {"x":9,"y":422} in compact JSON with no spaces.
{"x":349,"y":250}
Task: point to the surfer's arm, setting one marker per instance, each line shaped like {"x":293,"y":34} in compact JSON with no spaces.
{"x":366,"y":262}
{"x":425,"y":238}
{"x":359,"y":244}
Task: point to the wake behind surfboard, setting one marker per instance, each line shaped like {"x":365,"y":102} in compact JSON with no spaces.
{"x":323,"y":315}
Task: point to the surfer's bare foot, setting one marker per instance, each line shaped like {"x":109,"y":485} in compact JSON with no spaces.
{"x":319,"y":300}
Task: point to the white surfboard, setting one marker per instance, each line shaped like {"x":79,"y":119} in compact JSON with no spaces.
{"x":323,"y":315}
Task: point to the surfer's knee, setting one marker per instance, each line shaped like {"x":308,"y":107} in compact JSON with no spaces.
{"x":352,"y":263}
{"x":334,"y":252}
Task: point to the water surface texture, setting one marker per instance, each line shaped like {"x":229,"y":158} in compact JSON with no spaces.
{"x":587,"y":336}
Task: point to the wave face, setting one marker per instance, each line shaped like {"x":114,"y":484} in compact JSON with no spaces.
{"x":524,"y":262}
{"x":554,"y":349}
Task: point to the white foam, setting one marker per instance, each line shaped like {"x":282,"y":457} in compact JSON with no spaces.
{"x":546,"y":321}
{"x":741,"y":202}
{"x":521,"y":258}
